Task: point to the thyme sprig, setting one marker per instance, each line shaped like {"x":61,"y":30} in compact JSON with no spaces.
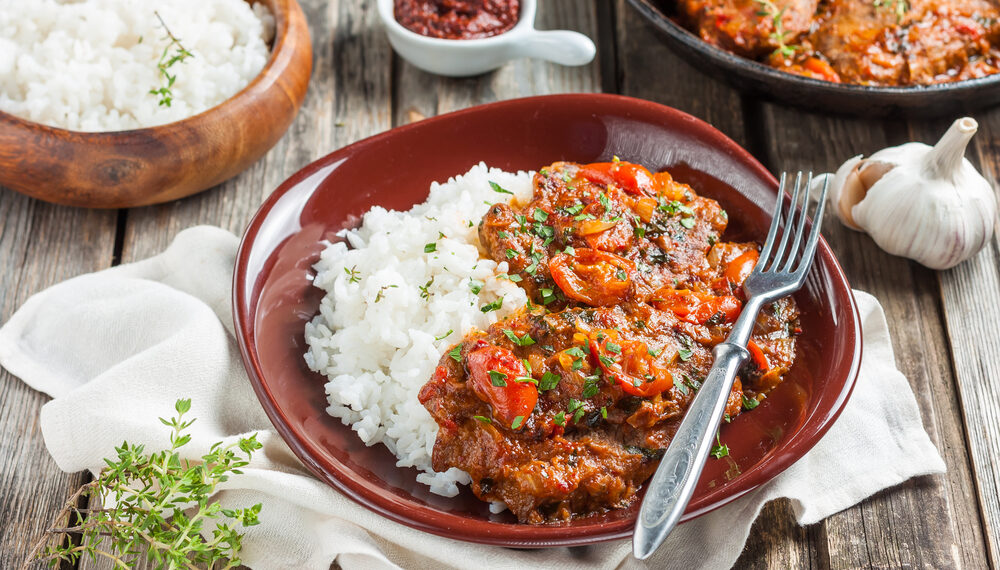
{"x":157,"y":501}
{"x":780,"y":35}
{"x":168,"y":60}
{"x":899,"y":7}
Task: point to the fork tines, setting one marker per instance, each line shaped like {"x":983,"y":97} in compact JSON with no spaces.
{"x":793,"y":222}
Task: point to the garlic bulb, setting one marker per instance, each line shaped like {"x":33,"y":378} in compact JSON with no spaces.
{"x":921,"y":202}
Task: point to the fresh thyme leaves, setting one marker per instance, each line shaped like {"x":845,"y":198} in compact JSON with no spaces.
{"x":497,"y":188}
{"x":381,"y":292}
{"x":719,"y":450}
{"x":492,"y":306}
{"x":167,"y":60}
{"x":684,"y":354}
{"x":424,"y":293}
{"x":167,"y":510}
{"x":497,"y":378}
{"x":900,"y":7}
{"x":779,"y":36}
{"x":353,"y":275}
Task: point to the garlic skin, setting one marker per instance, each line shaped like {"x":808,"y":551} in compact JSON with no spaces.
{"x":925,"y":203}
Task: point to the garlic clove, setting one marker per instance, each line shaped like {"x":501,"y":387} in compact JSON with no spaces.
{"x":922,"y":202}
{"x":844,"y":190}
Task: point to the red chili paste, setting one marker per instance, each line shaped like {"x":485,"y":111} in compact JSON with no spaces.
{"x":457,"y":19}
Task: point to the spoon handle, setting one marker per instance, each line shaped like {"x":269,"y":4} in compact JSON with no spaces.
{"x":558,"y":46}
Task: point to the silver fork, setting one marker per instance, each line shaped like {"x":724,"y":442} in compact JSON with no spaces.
{"x":779,"y":272}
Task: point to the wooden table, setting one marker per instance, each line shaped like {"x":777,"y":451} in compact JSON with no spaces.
{"x":944,"y":324}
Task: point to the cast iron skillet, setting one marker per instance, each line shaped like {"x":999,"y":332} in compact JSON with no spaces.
{"x":760,"y":80}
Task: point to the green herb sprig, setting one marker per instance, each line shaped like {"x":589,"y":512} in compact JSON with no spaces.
{"x":780,"y":35}
{"x":167,"y":60}
{"x":157,"y":501}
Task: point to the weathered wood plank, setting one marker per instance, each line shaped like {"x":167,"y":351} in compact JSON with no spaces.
{"x":421,"y":94}
{"x":970,"y":295}
{"x":649,"y":70}
{"x":40,"y":245}
{"x":348,"y":99}
{"x":930,"y":521}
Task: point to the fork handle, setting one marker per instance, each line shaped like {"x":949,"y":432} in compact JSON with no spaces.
{"x":671,"y":487}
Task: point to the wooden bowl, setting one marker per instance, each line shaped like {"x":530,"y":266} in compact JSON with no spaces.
{"x":158,"y":164}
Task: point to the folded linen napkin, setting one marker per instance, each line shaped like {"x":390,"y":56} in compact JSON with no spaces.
{"x":116,"y":348}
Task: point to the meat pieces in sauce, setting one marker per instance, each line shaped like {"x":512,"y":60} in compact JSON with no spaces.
{"x":868,"y":42}
{"x":565,"y":408}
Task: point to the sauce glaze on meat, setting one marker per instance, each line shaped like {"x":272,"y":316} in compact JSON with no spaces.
{"x":565,"y":408}
{"x":867,"y":42}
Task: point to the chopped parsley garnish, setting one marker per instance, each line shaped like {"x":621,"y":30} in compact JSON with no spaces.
{"x":750,"y":403}
{"x":548,"y":382}
{"x":353,"y":275}
{"x":559,"y":419}
{"x":525,"y":340}
{"x":680,"y":386}
{"x":456,"y":353}
{"x":517,"y":422}
{"x":687,"y":222}
{"x":582,"y":217}
{"x":590,"y":387}
{"x":654,"y":352}
{"x":483,"y":419}
{"x":603,"y":199}
{"x":719,"y":450}
{"x":511,"y":254}
{"x":445,"y":335}
{"x":576,"y":351}
{"x":521,"y":220}
{"x":498,"y":188}
{"x":503,"y":235}
{"x":547,"y":296}
{"x":492,"y":306}
{"x":497,"y":378}
{"x":612,"y":347}
{"x":475,"y":286}
{"x":574,"y":209}
{"x":430,"y":248}
{"x":606,"y":360}
{"x":621,"y":275}
{"x":515,"y":278}
{"x":569,"y":250}
{"x":604,"y":412}
{"x":684,"y":354}
{"x":541,"y":215}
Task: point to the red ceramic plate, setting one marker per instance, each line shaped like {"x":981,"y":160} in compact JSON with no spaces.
{"x":273,"y":298}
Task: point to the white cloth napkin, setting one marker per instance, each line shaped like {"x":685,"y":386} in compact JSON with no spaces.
{"x":115,"y":350}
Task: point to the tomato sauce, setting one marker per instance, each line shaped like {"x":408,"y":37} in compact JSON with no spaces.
{"x":457,"y":19}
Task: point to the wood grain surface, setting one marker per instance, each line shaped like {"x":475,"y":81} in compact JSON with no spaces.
{"x":943,"y":324}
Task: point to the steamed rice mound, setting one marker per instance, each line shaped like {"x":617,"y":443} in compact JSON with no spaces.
{"x":402,"y":290}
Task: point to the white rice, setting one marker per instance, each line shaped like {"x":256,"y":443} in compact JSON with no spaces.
{"x":89,"y":65}
{"x":374,"y":338}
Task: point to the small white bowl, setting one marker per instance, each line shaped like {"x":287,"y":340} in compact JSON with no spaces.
{"x":462,"y":58}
